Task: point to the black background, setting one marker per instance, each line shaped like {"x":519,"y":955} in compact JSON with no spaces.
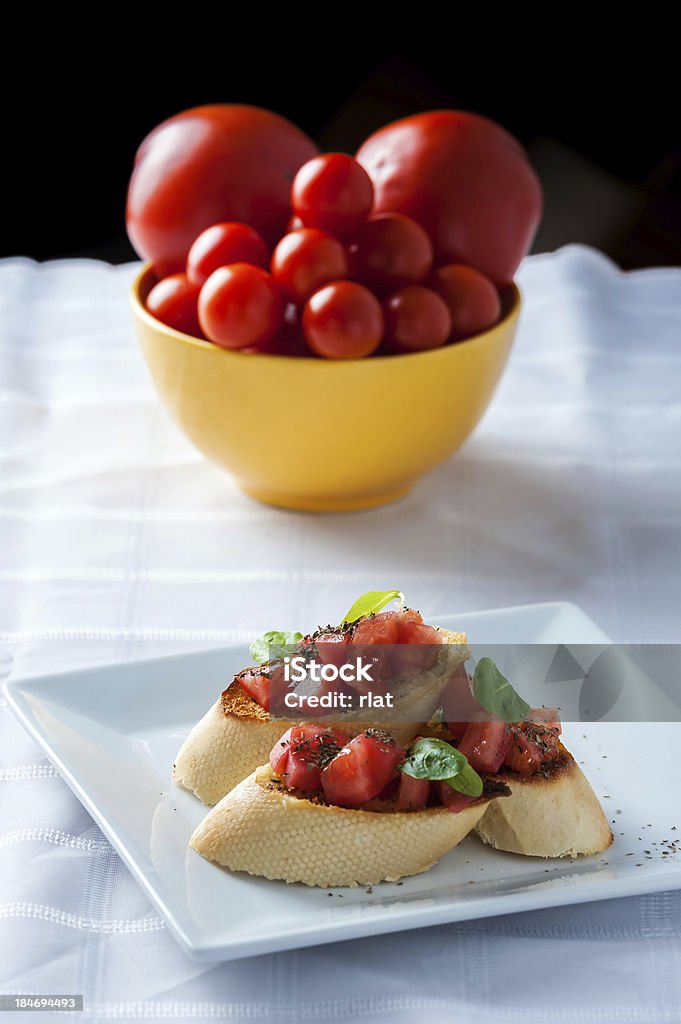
{"x":598,"y":113}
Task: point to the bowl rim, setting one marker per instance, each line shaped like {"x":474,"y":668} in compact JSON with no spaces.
{"x":140,"y":310}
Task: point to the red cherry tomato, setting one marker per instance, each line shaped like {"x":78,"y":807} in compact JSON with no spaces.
{"x":214,"y":163}
{"x":240,"y":306}
{"x":343,"y":321}
{"x":361,"y":770}
{"x":173,"y":301}
{"x":305,"y":260}
{"x":332,"y":192}
{"x":288,"y":341}
{"x":471,"y":298}
{"x":416,"y":319}
{"x":465,"y":180}
{"x":221,"y":244}
{"x":388,"y":252}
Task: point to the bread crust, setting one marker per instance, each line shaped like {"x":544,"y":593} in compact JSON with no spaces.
{"x":236,"y":734}
{"x":224,"y":746}
{"x":261,"y":829}
{"x":554,"y":814}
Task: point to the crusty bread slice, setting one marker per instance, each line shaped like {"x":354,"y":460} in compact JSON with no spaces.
{"x":236,"y":735}
{"x":263,"y":830}
{"x":551,"y":815}
{"x":232,"y":738}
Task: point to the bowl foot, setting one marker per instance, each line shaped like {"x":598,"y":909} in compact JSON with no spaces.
{"x":324,"y":502}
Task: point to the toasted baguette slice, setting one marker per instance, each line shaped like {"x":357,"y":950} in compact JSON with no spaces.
{"x":236,"y":734}
{"x":552,"y":815}
{"x":262,"y":829}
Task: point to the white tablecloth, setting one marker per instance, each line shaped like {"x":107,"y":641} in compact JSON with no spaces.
{"x":117,"y":540}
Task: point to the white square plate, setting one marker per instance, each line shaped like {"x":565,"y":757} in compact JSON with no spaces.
{"x":113,"y":733}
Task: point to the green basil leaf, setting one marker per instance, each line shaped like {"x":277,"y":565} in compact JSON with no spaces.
{"x":370,"y":603}
{"x":467,"y":782}
{"x":274,"y":644}
{"x":431,"y":758}
{"x":496,"y":694}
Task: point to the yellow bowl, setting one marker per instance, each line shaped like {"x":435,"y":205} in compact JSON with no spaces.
{"x":322,"y":435}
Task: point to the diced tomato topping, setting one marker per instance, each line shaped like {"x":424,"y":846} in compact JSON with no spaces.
{"x":361,"y":770}
{"x":486,"y":744}
{"x":331,"y":648}
{"x":397,"y":629}
{"x":535,"y":741}
{"x":377,"y":629}
{"x":413,"y":793}
{"x":548,"y":717}
{"x":452,"y":799}
{"x":257,"y":686}
{"x":458,"y":703}
{"x":296,"y":756}
{"x":266,"y":687}
{"x":418,"y":648}
{"x":524,"y":756}
{"x":408,"y":617}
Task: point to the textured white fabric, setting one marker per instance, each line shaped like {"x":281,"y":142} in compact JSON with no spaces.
{"x":117,"y":540}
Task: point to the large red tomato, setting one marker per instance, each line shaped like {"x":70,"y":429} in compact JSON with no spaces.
{"x":216,"y":163}
{"x":465,"y":180}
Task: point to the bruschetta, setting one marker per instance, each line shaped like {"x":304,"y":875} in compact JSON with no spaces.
{"x":552,"y":810}
{"x":333,"y":810}
{"x":237,"y":733}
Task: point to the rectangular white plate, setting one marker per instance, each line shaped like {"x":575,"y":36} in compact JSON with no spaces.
{"x":113,"y":733}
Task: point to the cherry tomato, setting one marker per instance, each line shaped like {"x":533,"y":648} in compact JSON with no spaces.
{"x":361,"y":770}
{"x":240,"y":306}
{"x":222,"y":162}
{"x":305,"y":260}
{"x":173,"y":301}
{"x":221,"y":244}
{"x":416,"y":319}
{"x":388,"y":252}
{"x":332,"y":192}
{"x":343,"y":320}
{"x":471,"y":298}
{"x":465,"y":180}
{"x":288,"y":341}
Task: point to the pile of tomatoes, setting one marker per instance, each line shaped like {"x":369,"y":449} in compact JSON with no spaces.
{"x":261,"y":244}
